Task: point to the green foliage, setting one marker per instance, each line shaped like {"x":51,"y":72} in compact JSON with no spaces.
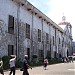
{"x":37,"y":62}
{"x":34,"y":56}
{"x":48,"y":57}
{"x":18,"y":63}
{"x":54,"y":61}
{"x":34,"y":59}
{"x":5,"y":60}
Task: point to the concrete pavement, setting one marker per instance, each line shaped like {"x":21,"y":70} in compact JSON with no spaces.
{"x":56,"y":69}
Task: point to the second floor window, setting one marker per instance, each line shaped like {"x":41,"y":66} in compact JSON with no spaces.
{"x":47,"y":38}
{"x":59,"y":40}
{"x":53,"y":40}
{"x":41,"y":53}
{"x":39,"y":35}
{"x":27,"y":31}
{"x":11,"y":24}
{"x":63,"y":39}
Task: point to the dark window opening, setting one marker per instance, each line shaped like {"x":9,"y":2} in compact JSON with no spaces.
{"x":11,"y":25}
{"x":28,"y":53}
{"x":54,"y":54}
{"x":41,"y":54}
{"x":67,"y":53}
{"x":39,"y":35}
{"x":10,"y":50}
{"x":27,"y":31}
{"x":48,"y":55}
{"x":47,"y":38}
{"x":60,"y":56}
{"x":53,"y":40}
{"x":59,"y":40}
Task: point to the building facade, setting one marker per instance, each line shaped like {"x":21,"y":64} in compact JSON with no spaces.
{"x":26,"y":30}
{"x":73,"y":48}
{"x":67,"y":27}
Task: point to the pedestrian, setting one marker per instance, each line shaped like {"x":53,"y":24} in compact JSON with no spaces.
{"x":72,"y":59}
{"x":65,"y":60}
{"x":1,"y":67}
{"x":12,"y":64}
{"x":25,"y":65}
{"x":45,"y":63}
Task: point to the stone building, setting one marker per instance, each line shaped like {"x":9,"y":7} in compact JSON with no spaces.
{"x":67,"y":36}
{"x":26,"y":30}
{"x":73,"y":48}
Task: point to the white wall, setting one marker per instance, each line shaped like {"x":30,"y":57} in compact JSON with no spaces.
{"x":7,"y":7}
{"x":25,"y":16}
{"x":37,"y":23}
{"x":45,"y":27}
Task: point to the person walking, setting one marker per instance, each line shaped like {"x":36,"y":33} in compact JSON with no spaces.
{"x":1,"y":67}
{"x":45,"y":63}
{"x":72,"y":59}
{"x":12,"y":64}
{"x":26,"y":65}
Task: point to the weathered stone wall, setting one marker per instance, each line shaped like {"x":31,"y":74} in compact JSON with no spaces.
{"x":23,"y":16}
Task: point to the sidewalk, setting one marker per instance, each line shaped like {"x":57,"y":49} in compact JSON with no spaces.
{"x":56,"y":69}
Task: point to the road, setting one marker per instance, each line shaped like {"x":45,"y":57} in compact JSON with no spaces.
{"x":56,"y":69}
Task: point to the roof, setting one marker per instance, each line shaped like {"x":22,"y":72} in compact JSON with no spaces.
{"x":32,"y":8}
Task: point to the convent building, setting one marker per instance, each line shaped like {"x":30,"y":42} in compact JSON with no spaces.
{"x":24,"y":29}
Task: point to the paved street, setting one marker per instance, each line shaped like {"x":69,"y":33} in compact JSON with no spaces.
{"x":57,"y":69}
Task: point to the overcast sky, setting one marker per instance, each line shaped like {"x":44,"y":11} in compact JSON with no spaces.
{"x":54,"y":9}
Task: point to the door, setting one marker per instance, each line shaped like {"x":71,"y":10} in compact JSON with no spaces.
{"x":28,"y":53}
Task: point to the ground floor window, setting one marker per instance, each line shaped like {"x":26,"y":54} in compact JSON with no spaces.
{"x":55,"y":54}
{"x":10,"y":50}
{"x":60,"y":56}
{"x":28,"y":53}
{"x":48,"y":54}
{"x":41,"y":54}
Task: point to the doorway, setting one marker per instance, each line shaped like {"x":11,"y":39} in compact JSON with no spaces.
{"x":28,"y":53}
